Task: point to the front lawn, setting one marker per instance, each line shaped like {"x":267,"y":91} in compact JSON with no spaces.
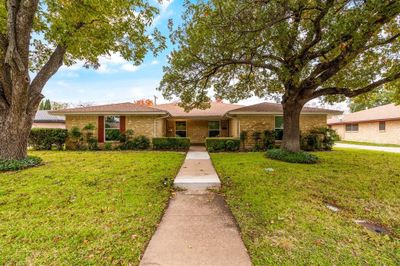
{"x":83,"y":208}
{"x":281,"y":207}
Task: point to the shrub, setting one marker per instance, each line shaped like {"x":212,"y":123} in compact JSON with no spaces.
{"x":93,"y":144}
{"x":75,"y":139}
{"x":292,"y":157}
{"x":108,"y":146}
{"x":137,"y":143}
{"x":45,"y":138}
{"x":126,"y":136}
{"x":177,"y":143}
{"x":14,"y":165}
{"x":268,"y":139}
{"x":318,"y":139}
{"x":222,"y":144}
{"x":243,"y":138}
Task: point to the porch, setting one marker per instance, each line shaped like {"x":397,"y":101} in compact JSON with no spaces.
{"x":197,"y":129}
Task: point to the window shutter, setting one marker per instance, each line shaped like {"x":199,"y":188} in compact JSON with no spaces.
{"x":122,"y":123}
{"x":100,"y":127}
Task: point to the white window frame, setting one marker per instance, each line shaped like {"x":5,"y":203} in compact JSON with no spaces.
{"x":105,"y":129}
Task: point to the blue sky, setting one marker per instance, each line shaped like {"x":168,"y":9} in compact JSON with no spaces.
{"x":118,"y":80}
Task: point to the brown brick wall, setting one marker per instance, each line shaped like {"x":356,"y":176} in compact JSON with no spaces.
{"x":308,"y":122}
{"x":252,"y":123}
{"x":141,"y":125}
{"x":81,"y":121}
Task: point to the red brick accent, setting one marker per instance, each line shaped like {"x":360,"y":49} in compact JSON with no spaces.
{"x":122,"y":123}
{"x":101,"y":129}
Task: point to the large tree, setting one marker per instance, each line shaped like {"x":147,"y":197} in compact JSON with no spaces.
{"x":299,"y":49}
{"x":39,"y":36}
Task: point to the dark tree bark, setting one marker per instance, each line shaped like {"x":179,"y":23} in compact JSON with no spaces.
{"x":291,"y":125}
{"x":19,"y":97}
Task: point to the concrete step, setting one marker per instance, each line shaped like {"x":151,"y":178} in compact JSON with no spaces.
{"x":198,"y":182}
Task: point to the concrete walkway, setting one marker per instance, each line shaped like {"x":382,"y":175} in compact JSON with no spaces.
{"x":197,"y":227}
{"x":366,"y":147}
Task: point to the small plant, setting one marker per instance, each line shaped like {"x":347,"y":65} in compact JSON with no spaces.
{"x":108,"y":146}
{"x":14,"y":165}
{"x":257,"y":140}
{"x":93,"y":144}
{"x":268,"y":139}
{"x":243,"y":138}
{"x":126,"y":136}
{"x":75,"y":139}
{"x":292,"y":157}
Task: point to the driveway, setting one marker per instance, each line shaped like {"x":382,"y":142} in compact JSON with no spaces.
{"x":371,"y":148}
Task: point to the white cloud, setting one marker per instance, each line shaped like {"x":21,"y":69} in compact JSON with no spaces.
{"x":129,"y":67}
{"x":165,"y":4}
{"x":154,"y":62}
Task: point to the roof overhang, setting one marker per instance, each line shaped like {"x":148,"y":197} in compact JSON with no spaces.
{"x":49,"y":121}
{"x":200,"y":117}
{"x":108,"y":113}
{"x":274,"y":113}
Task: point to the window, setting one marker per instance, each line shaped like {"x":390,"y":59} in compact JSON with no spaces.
{"x":112,"y":128}
{"x":382,"y":126}
{"x":180,"y":129}
{"x":213,"y":128}
{"x":279,"y":127}
{"x":351,"y":127}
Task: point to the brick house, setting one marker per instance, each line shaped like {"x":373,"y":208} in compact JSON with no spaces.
{"x":377,"y":125}
{"x":170,"y":120}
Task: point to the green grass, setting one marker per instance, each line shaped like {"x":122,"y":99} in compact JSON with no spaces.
{"x":283,"y":216}
{"x":83,"y":208}
{"x":367,"y":143}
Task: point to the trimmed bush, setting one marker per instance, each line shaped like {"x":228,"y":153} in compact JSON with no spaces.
{"x":292,"y":157}
{"x":14,"y":165}
{"x":222,"y":144}
{"x":137,"y":143}
{"x":269,"y":139}
{"x":45,"y":138}
{"x":172,"y":144}
{"x":318,"y":139}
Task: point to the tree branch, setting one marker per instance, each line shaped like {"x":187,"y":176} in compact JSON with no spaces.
{"x":12,"y":56}
{"x":352,"y":93}
{"x":48,"y":70}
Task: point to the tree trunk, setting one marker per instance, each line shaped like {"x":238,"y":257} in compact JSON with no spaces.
{"x":291,"y":126}
{"x":14,"y":133}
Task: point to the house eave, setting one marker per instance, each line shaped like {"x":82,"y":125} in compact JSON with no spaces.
{"x":109,"y":113}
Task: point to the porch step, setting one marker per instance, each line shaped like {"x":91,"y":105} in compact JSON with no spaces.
{"x":198,"y":182}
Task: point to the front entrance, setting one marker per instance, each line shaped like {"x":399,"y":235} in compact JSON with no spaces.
{"x":197,"y":130}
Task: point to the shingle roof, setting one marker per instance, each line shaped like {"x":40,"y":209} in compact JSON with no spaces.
{"x":381,"y":113}
{"x":217,"y":109}
{"x":43,"y":116}
{"x":111,"y":108}
{"x":267,"y":107}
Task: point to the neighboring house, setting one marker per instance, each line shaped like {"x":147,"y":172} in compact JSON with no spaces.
{"x":377,"y":125}
{"x":170,"y":120}
{"x":45,"y":120}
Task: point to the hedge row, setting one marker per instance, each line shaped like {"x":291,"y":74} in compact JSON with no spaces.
{"x":45,"y":138}
{"x":222,"y":144}
{"x":171,"y":143}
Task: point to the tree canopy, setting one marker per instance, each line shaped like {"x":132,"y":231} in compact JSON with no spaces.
{"x":240,"y":48}
{"x":39,"y":36}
